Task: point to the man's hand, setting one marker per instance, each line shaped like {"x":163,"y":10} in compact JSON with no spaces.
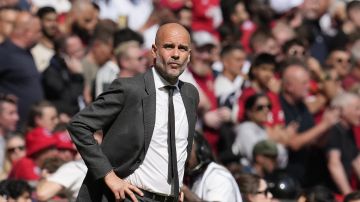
{"x":120,"y":187}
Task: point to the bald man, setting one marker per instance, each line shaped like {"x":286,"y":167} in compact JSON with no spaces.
{"x":295,"y":88}
{"x":19,"y":75}
{"x":136,"y":115}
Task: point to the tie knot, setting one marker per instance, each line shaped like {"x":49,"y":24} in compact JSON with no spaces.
{"x":171,"y":89}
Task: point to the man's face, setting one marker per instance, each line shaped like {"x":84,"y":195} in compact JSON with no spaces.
{"x":264,"y":73}
{"x":88,"y":19}
{"x":135,"y":61}
{"x":298,"y":87}
{"x":8,"y":116}
{"x":234,"y":61}
{"x":351,"y":112}
{"x":7,"y":19}
{"x":340,"y":62}
{"x":74,"y":47}
{"x":314,"y":9}
{"x":34,"y":33}
{"x":49,"y":25}
{"x":49,"y":118}
{"x":103,"y":52}
{"x":171,"y":53}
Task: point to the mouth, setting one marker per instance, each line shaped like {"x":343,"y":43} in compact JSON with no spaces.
{"x":174,"y":64}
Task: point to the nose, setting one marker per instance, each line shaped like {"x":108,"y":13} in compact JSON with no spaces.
{"x":175,"y":54}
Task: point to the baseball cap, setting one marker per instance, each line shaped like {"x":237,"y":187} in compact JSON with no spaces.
{"x":64,"y":141}
{"x":202,"y":38}
{"x":37,"y":140}
{"x":265,"y":147}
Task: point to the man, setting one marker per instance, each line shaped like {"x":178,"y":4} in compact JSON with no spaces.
{"x":19,"y":74}
{"x":341,"y":151}
{"x":130,"y":59}
{"x":7,"y":19}
{"x":8,"y":119}
{"x":265,"y":153}
{"x":209,"y":180}
{"x":63,"y":80}
{"x":228,"y":83}
{"x":132,"y":115}
{"x":44,"y":50}
{"x":295,"y":88}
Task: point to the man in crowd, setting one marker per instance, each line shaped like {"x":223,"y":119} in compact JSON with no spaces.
{"x":19,"y":74}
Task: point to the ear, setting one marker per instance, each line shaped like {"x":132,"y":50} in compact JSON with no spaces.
{"x":188,"y":59}
{"x":153,"y":50}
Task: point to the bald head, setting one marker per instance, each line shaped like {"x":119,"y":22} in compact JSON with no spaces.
{"x":171,"y":28}
{"x":296,"y":82}
{"x":171,"y":51}
{"x":27,"y":30}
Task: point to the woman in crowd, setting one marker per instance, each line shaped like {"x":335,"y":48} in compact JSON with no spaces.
{"x":15,"y":150}
{"x":253,"y":188}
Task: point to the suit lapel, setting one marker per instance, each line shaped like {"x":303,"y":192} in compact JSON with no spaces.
{"x":190,"y":108}
{"x":149,"y":107}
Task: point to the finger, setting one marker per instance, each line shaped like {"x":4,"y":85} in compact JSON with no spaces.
{"x":181,"y":198}
{"x":131,"y":194}
{"x":117,"y":195}
{"x":137,"y":190}
{"x":122,"y":195}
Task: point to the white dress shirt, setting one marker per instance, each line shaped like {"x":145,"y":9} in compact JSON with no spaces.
{"x":152,"y":174}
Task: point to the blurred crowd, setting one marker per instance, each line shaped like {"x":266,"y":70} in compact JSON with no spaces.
{"x":279,"y":85}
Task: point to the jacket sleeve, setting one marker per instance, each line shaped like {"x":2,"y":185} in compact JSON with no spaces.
{"x":98,"y":115}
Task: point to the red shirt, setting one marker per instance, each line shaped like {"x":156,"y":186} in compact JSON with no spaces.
{"x":25,"y":169}
{"x":206,"y":14}
{"x":206,"y":83}
{"x":276,"y":115}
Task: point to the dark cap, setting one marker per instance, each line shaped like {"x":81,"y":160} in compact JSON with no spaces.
{"x":265,"y":147}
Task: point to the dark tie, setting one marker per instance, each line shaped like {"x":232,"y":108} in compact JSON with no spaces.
{"x":172,"y":169}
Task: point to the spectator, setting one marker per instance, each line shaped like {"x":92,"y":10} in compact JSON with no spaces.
{"x":83,"y":18}
{"x":7,"y":20}
{"x":66,"y":180}
{"x":40,"y":146}
{"x":253,"y":188}
{"x":15,"y":190}
{"x":343,"y":157}
{"x":352,"y":81}
{"x":264,"y":154}
{"x":63,"y":81}
{"x":295,"y":88}
{"x":43,"y":116}
{"x":252,"y":130}
{"x":19,"y":74}
{"x":209,"y":180}
{"x":228,"y":83}
{"x":352,"y":197}
{"x":317,"y":194}
{"x":44,"y":50}
{"x":8,"y":119}
{"x":263,"y":41}
{"x":15,"y":150}
{"x":100,"y":52}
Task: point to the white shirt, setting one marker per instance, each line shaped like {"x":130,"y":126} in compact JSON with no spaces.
{"x":152,"y":175}
{"x":70,"y":176}
{"x":217,"y":184}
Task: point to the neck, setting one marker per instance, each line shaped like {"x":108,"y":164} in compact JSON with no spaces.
{"x":228,"y":75}
{"x":289,"y":99}
{"x":124,"y":73}
{"x":48,"y":43}
{"x":344,"y":124}
{"x":259,"y":171}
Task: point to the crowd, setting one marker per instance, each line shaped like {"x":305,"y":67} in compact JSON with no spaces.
{"x":279,"y":86}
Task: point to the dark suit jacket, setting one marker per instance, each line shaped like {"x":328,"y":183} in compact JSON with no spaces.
{"x":126,"y":114}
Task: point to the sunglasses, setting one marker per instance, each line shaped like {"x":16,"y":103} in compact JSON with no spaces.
{"x":262,"y":107}
{"x":342,"y":60}
{"x":13,"y":149}
{"x":265,"y":192}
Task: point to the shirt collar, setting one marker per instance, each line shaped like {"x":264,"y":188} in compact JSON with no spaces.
{"x":160,"y":82}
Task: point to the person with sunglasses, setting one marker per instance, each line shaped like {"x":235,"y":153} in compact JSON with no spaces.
{"x":253,"y":188}
{"x":15,"y":150}
{"x":252,"y":130}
